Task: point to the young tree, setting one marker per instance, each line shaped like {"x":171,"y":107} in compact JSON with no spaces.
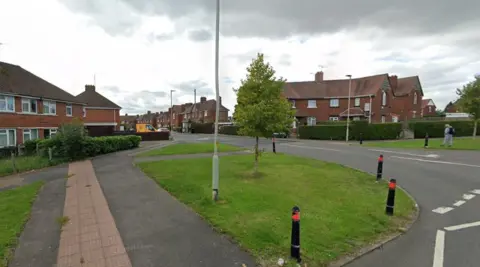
{"x":261,"y":109}
{"x":469,"y":100}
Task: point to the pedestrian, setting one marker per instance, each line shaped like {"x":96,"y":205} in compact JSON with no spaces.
{"x":448,"y":139}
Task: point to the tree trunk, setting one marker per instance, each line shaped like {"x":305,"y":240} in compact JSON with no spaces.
{"x":475,"y":129}
{"x":256,"y":154}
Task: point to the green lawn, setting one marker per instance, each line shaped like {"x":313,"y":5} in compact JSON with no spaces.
{"x":24,"y":163}
{"x":342,"y":209}
{"x":463,"y":143}
{"x":192,"y":148}
{"x":15,"y":206}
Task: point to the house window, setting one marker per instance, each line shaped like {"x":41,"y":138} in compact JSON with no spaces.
{"x":84,"y":112}
{"x":414,"y":114}
{"x":334,"y":103}
{"x":49,"y":133}
{"x":7,"y":103}
{"x":357,"y":102}
{"x":311,"y":121}
{"x":293,"y":104}
{"x":49,"y":107}
{"x":29,"y":105}
{"x":429,"y":108}
{"x":383,"y":118}
{"x":69,"y":110}
{"x":384,"y":98}
{"x":356,"y":118}
{"x":30,"y":134}
{"x":415,"y":98}
{"x":312,"y":104}
{"x":394,"y":119}
{"x":333,"y":118}
{"x":367,"y":107}
{"x":205,"y":113}
{"x":7,"y":137}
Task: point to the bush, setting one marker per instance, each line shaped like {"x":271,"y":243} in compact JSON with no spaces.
{"x":31,"y":146}
{"x":206,"y":128}
{"x":384,"y":131}
{"x":437,"y":128}
{"x":228,"y":129}
{"x":323,"y":132}
{"x":94,"y":146}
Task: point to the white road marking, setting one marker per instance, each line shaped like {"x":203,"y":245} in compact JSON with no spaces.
{"x":468,"y":196}
{"x":476,"y":191}
{"x":462,"y":226}
{"x":311,"y":147}
{"x":459,"y":203}
{"x":442,"y":210}
{"x":439,"y":249}
{"x":439,"y":162}
{"x":405,"y":153}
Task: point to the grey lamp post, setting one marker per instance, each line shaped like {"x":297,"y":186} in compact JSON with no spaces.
{"x":348,"y":109}
{"x":215,"y":163}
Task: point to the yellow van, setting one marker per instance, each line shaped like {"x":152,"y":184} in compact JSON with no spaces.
{"x":144,"y":128}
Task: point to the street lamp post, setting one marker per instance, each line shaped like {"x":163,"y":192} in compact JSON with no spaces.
{"x":215,"y":171}
{"x":348,"y":108}
{"x":171,"y":109}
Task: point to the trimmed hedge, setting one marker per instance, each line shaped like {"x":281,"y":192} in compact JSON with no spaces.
{"x":205,"y":128}
{"x":323,"y":132}
{"x":437,"y":128}
{"x":228,"y":129}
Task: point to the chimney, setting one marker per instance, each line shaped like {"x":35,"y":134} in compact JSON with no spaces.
{"x":319,"y":76}
{"x":220,"y":100}
{"x":203,"y":99}
{"x":126,"y":114}
{"x":394,"y":81}
{"x":90,"y":87}
{"x":149,"y":112}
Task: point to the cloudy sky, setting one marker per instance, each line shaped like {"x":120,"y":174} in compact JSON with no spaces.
{"x":142,"y":49}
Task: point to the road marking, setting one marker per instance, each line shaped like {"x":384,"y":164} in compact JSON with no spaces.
{"x":442,"y":210}
{"x":439,"y":162}
{"x":462,"y":226}
{"x":468,"y":196}
{"x":439,"y":249}
{"x":476,"y":191}
{"x":321,"y":148}
{"x":459,"y":203}
{"x":405,"y":153}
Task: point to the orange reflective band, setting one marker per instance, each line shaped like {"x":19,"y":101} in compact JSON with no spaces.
{"x":380,"y":159}
{"x":392,"y":185}
{"x":296,"y":217}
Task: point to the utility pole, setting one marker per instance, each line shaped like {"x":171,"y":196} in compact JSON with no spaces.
{"x":171,"y":109}
{"x":348,"y":109}
{"x":215,"y":171}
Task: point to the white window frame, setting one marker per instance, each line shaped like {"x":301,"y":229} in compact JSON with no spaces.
{"x":311,"y":121}
{"x":51,"y":131}
{"x":384,"y":98}
{"x":29,"y":132}
{"x":357,"y":102}
{"x":312,"y":103}
{"x":414,"y":114}
{"x":429,"y":108}
{"x":356,"y":118}
{"x":366,"y":107}
{"x":5,"y":98}
{"x":394,"y":118}
{"x":415,"y":98}
{"x":334,"y":103}
{"x":5,"y":132}
{"x":333,"y":118}
{"x":383,"y":118}
{"x":84,"y":112}
{"x":67,"y":107}
{"x":205,"y":113}
{"x":293,"y":104}
{"x":29,"y":102}
{"x":49,"y":104}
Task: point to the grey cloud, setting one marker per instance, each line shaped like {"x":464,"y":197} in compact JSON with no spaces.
{"x":281,"y":18}
{"x":187,"y":87}
{"x":152,"y":37}
{"x":285,"y":60}
{"x":201,"y":35}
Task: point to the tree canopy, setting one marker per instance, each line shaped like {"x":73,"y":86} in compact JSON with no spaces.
{"x":469,"y":100}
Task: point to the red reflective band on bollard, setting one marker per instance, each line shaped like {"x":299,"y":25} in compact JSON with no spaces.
{"x":380,"y":159}
{"x":392,"y":185}
{"x":296,"y":216}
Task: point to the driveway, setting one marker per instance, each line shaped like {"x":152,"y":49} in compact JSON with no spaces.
{"x":444,"y":184}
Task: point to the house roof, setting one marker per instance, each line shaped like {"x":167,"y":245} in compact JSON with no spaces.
{"x":406,"y":84}
{"x":425,"y":102}
{"x":202,"y":106}
{"x":353,"y":112}
{"x":334,"y":88}
{"x":94,"y":99}
{"x":129,"y":118}
{"x":17,"y":80}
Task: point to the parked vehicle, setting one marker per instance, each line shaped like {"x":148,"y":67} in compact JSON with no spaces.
{"x":163,"y":130}
{"x":281,"y":135}
{"x":144,"y":128}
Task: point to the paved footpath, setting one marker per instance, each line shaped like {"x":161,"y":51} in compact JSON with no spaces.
{"x":90,"y":238}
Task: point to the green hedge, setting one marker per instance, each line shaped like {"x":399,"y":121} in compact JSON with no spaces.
{"x":206,"y":128}
{"x":228,"y":129}
{"x":437,"y":128}
{"x":323,"y":132}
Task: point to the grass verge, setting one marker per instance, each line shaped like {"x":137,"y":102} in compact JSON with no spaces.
{"x":15,"y":207}
{"x":192,"y":148}
{"x":463,"y":143}
{"x":341,"y":209}
{"x":25,"y":163}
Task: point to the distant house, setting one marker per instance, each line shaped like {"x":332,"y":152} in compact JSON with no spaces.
{"x":428,"y":108}
{"x":204,"y":112}
{"x":100,"y":116}
{"x":128,"y":121}
{"x":452,"y":107}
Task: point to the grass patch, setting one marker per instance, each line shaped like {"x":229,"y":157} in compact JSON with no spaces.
{"x":464,"y":143}
{"x":193,"y":148}
{"x":341,"y":209}
{"x":15,"y":206}
{"x":62,"y":221}
{"x":25,"y":163}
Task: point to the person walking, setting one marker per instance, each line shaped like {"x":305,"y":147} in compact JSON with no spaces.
{"x":448,"y":139}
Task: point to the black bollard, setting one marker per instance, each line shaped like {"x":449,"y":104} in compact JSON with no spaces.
{"x":380,"y":168}
{"x":426,"y":141}
{"x":273,"y":144}
{"x":295,"y":249}
{"x":391,"y":197}
{"x":361,"y":138}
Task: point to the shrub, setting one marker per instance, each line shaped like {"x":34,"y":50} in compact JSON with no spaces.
{"x":206,"y":128}
{"x":323,"y":132}
{"x":384,"y":131}
{"x":228,"y":129}
{"x":437,"y":128}
{"x":31,"y":146}
{"x":94,"y":146}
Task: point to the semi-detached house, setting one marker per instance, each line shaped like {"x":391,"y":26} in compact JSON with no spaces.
{"x":378,"y":98}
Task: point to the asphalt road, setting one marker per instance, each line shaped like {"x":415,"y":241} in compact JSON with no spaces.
{"x":442,"y":182}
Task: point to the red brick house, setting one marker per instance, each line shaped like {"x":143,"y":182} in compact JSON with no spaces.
{"x":204,"y":112}
{"x":128,"y":122}
{"x":100,"y":115}
{"x":452,"y":107}
{"x":32,"y":108}
{"x":428,"y":108}
{"x":377,"y":98}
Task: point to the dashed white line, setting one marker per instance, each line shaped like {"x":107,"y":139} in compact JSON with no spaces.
{"x":476,"y":191}
{"x":442,"y":210}
{"x":439,"y":162}
{"x":462,"y":226}
{"x":439,"y":249}
{"x":459,"y":203}
{"x":311,"y":147}
{"x":468,"y":196}
{"x":405,"y":153}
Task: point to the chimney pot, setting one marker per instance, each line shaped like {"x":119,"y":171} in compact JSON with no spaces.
{"x":203,"y":99}
{"x":90,"y":87}
{"x":394,"y":81}
{"x":319,"y":76}
{"x":149,"y":112}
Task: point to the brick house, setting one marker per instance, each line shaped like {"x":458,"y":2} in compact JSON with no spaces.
{"x":377,"y":98}
{"x":32,"y":108}
{"x":100,"y":115}
{"x":452,"y":107}
{"x":128,"y":121}
{"x":149,"y":118}
{"x":428,"y":108}
{"x":204,"y":112}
